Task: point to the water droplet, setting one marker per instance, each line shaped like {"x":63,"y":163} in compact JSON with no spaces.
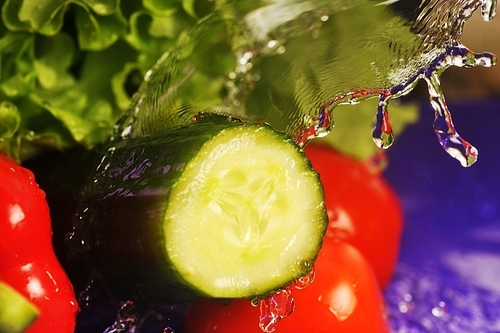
{"x":304,"y":281}
{"x":318,"y":125}
{"x":488,"y":9}
{"x":280,"y":304}
{"x":382,"y":133}
{"x":439,"y":310}
{"x":275,"y":307}
{"x":377,"y":162}
{"x":90,"y":294}
{"x":126,"y":319}
{"x":77,"y":239}
{"x":406,"y":304}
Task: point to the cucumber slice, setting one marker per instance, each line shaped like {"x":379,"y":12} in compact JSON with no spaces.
{"x":16,"y":312}
{"x":239,"y":217}
{"x":224,"y":210}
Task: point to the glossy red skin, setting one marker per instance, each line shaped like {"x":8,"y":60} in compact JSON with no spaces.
{"x":340,"y":270}
{"x":362,"y":207}
{"x":27,"y":259}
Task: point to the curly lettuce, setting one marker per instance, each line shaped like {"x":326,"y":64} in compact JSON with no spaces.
{"x":68,"y":67}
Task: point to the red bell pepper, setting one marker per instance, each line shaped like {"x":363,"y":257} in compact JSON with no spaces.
{"x":27,"y":259}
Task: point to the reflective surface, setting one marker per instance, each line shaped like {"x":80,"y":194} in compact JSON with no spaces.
{"x":447,"y":276}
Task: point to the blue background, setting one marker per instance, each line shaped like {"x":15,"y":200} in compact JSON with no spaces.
{"x":448,"y":275}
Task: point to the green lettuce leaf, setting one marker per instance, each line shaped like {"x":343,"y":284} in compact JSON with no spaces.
{"x":103,"y":7}
{"x":96,"y":32}
{"x":54,"y":55}
{"x":32,"y":15}
{"x":69,"y":67}
{"x":161,"y":7}
{"x":11,"y":120}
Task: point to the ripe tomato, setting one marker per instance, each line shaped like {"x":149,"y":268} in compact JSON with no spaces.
{"x":344,"y":297}
{"x":362,"y":208}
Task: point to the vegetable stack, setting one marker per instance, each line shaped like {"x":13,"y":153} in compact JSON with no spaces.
{"x":213,"y":208}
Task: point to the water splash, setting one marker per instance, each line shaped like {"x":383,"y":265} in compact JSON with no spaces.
{"x":90,"y":294}
{"x":126,"y":320}
{"x":488,"y":9}
{"x":280,"y":304}
{"x":135,"y":318}
{"x":443,"y":125}
{"x":291,"y":63}
{"x":449,"y":139}
{"x":275,"y":307}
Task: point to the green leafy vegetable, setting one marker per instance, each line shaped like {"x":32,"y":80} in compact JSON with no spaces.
{"x":68,"y":67}
{"x":11,"y":119}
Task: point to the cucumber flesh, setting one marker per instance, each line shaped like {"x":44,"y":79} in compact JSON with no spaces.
{"x":16,"y":312}
{"x":246,"y":216}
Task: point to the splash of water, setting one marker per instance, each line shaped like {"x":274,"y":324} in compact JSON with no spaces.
{"x":275,"y":307}
{"x":90,"y":294}
{"x":280,"y":304}
{"x":132,"y":318}
{"x":446,"y":133}
{"x":291,"y":63}
{"x":126,"y":320}
{"x":448,"y":137}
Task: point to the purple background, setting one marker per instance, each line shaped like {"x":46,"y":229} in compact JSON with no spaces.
{"x":448,"y":276}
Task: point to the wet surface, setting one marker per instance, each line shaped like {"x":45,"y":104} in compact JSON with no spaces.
{"x":447,"y":276}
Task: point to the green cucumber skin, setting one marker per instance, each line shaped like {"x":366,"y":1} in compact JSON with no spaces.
{"x":120,"y":220}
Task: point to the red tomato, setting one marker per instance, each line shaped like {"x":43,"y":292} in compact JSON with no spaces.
{"x":344,"y":297}
{"x":362,"y":208}
{"x":27,"y":259}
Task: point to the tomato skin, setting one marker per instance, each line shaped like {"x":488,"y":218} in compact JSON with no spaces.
{"x":344,"y":284}
{"x":27,"y":259}
{"x":362,"y":207}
